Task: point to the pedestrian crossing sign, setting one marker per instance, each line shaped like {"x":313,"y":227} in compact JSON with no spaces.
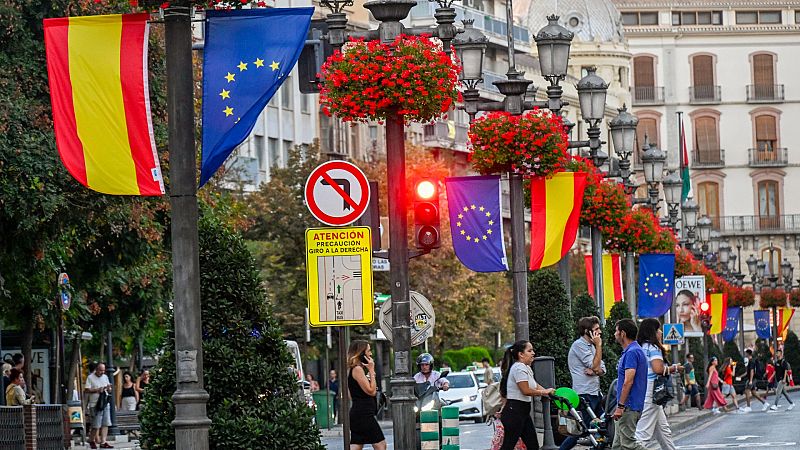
{"x":673,"y":333}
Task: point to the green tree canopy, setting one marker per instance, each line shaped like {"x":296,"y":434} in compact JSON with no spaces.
{"x":550,"y":320}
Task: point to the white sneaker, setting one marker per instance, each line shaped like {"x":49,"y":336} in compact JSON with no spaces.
{"x":715,"y":411}
{"x":773,"y":408}
{"x":765,"y":407}
{"x":791,"y":407}
{"x":747,"y":409}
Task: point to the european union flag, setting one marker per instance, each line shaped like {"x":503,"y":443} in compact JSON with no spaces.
{"x":732,"y":323}
{"x":248,"y":53}
{"x":761,"y":317}
{"x":656,"y":284}
{"x":475,"y":222}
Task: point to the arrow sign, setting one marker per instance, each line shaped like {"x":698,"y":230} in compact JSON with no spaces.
{"x":337,"y":193}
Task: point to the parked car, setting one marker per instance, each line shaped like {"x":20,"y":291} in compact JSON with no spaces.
{"x":303,"y":386}
{"x":465,"y":394}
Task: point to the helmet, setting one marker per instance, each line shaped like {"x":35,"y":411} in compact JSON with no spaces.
{"x":425,"y":358}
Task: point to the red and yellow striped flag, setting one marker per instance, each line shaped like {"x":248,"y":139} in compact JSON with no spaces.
{"x":612,"y":280}
{"x":719,"y":312}
{"x":97,"y":67}
{"x":784,"y":317}
{"x":555,"y":209}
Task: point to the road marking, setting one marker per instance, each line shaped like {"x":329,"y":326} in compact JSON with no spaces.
{"x":742,"y":438}
{"x":748,"y":445}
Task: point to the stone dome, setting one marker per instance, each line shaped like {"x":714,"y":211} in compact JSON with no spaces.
{"x":590,"y":20}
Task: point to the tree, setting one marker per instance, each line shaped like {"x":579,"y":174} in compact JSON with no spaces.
{"x":791,"y":351}
{"x":550,"y":321}
{"x":583,"y":305}
{"x":247,"y":369}
{"x":611,"y":349}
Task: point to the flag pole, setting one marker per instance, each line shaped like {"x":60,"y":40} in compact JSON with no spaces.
{"x":191,"y":420}
{"x":597,"y":271}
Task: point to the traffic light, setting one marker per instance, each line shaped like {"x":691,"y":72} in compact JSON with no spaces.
{"x":426,"y":214}
{"x":705,"y":317}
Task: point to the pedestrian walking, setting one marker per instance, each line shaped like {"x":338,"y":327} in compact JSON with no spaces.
{"x":653,"y":425}
{"x":333,"y":386}
{"x":750,"y":387}
{"x":488,"y":375}
{"x":714,"y":398}
{"x":141,"y":386}
{"x":518,"y":387}
{"x":631,"y":386}
{"x":129,"y":398}
{"x":313,"y":385}
{"x":690,"y":384}
{"x":15,"y":395}
{"x":98,"y":406}
{"x":770,"y":376}
{"x":727,"y":382}
{"x":781,"y":376}
{"x":586,"y":366}
{"x":6,"y":381}
{"x":363,"y":388}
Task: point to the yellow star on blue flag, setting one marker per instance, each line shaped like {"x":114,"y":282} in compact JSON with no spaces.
{"x":248,"y":54}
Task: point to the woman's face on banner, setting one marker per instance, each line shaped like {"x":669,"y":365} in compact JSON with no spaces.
{"x":686,"y":308}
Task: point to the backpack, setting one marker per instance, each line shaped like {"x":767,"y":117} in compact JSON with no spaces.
{"x":491,"y":399}
{"x":760,"y":369}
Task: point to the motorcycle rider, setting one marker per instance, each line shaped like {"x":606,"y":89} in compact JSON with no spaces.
{"x":426,"y":373}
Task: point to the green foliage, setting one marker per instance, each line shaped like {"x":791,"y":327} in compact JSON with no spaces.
{"x":253,"y":392}
{"x":456,"y":359}
{"x":611,"y":349}
{"x":583,"y":305}
{"x":762,"y":351}
{"x":550,"y":320}
{"x":477,"y":353}
{"x":791,"y":350}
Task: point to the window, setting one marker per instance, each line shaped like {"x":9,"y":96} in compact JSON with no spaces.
{"x":708,"y":199}
{"x":763,"y":76}
{"x":758,"y":17}
{"x":639,"y":18}
{"x":644,"y":78}
{"x":373,"y":132}
{"x":768,"y":204}
{"x":647,"y":126}
{"x":697,"y":18}
{"x":766,"y":135}
{"x":797,"y":17}
{"x":287,"y":147}
{"x":304,"y":104}
{"x":258,"y":142}
{"x":286,"y":93}
{"x":274,"y":153}
{"x":706,"y":140}
{"x":703,"y":77}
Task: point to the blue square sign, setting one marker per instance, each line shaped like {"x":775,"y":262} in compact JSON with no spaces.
{"x":673,"y":333}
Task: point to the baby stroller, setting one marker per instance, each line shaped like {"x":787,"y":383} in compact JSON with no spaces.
{"x":599,"y":434}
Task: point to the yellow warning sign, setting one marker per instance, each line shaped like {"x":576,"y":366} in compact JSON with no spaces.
{"x":339,"y":274}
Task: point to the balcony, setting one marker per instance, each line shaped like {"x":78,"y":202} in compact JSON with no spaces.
{"x":776,"y":157}
{"x":446,"y":134}
{"x":708,"y":159}
{"x":647,"y":95}
{"x":705,"y":95}
{"x":764,"y":93}
{"x":738,"y":225}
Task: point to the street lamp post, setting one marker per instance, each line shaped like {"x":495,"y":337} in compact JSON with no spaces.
{"x":653,"y":160}
{"x":673,"y":184}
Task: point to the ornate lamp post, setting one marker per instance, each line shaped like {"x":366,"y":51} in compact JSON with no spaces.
{"x":704,"y":229}
{"x":689,"y":211}
{"x":673,"y":185}
{"x":653,"y":160}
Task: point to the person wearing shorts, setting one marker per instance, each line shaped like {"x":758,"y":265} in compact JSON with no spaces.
{"x":96,"y":384}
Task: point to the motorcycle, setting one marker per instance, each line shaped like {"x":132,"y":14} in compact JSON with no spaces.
{"x":428,"y":400}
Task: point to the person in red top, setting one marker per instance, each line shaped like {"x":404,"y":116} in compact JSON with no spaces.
{"x":770,"y":375}
{"x":727,"y":382}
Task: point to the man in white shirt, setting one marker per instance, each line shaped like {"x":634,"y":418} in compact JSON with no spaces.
{"x":96,"y":384}
{"x":426,"y":373}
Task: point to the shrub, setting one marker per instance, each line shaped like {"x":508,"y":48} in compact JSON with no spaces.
{"x":583,"y":305}
{"x":253,"y":399}
{"x":791,"y":351}
{"x":550,"y":322}
{"x":477,"y":353}
{"x":611,"y":349}
{"x":457,"y":359}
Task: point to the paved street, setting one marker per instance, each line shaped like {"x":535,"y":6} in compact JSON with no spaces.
{"x":773,"y":430}
{"x":474,"y":436}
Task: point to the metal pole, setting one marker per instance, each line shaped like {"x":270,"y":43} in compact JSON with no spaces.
{"x":741,"y":330}
{"x":563,"y":273}
{"x":327,"y":376}
{"x":597,"y":270}
{"x":512,"y":66}
{"x":110,"y":369}
{"x":344,"y":404}
{"x":519,"y":271}
{"x":774,"y":330}
{"x":402,"y":384}
{"x":630,"y":280}
{"x":191,"y":421}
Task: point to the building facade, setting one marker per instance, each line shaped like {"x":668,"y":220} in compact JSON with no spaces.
{"x":729,"y":68}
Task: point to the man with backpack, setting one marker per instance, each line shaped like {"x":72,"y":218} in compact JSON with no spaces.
{"x":751,"y":376}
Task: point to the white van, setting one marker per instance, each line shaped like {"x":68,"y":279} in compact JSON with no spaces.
{"x":297,"y":368}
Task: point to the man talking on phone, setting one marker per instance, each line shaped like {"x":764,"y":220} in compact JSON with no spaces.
{"x":586,"y":366}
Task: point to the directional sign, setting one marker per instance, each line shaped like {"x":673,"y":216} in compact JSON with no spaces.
{"x":337,"y":193}
{"x":673,"y":333}
{"x":339,"y":275}
{"x":423,"y":318}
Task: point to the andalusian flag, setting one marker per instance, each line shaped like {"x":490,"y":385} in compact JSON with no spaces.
{"x":784,"y":317}
{"x":97,"y":67}
{"x":686,"y":190}
{"x":612,"y":280}
{"x":719,"y":312}
{"x":555,"y":210}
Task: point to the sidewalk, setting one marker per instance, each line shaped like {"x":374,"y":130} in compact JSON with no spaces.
{"x":120,"y":442}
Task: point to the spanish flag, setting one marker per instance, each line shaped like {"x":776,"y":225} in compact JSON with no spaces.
{"x":97,"y":68}
{"x":784,"y":317}
{"x":612,"y":280}
{"x":719,"y":312}
{"x":555,"y":209}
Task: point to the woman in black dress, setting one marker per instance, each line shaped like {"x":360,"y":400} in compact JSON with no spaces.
{"x":361,"y":383}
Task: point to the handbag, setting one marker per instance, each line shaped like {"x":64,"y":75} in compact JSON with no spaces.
{"x":661,"y":392}
{"x":567,"y":425}
{"x":102,"y":401}
{"x":491,"y":399}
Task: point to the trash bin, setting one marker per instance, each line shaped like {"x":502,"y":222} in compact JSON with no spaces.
{"x":324,"y":401}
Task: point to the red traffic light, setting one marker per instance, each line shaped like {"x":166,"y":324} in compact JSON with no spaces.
{"x":426,"y":190}
{"x":704,"y":307}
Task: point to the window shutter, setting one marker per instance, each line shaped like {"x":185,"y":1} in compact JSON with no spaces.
{"x":703,"y":70}
{"x":709,"y":200}
{"x":643,"y":73}
{"x":763,"y":70}
{"x":766,"y":129}
{"x":706,"y":137}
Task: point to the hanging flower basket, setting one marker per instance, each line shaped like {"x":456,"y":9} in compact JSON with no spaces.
{"x":772,"y":298}
{"x":606,"y":207}
{"x":741,"y":297}
{"x":794,"y":297}
{"x":411,"y":76}
{"x":533,"y":144}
